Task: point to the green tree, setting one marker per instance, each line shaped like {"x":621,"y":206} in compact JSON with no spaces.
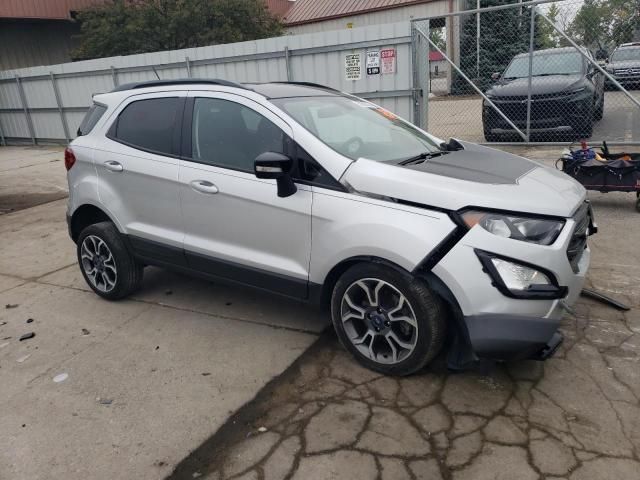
{"x":547,"y":36}
{"x":436,"y":36}
{"x":124,"y":27}
{"x":503,"y":34}
{"x":601,"y":23}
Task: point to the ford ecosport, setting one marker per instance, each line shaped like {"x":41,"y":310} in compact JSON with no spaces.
{"x":307,"y":192}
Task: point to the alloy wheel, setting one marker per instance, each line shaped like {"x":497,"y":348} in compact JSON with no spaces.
{"x":98,"y":263}
{"x":379,"y":320}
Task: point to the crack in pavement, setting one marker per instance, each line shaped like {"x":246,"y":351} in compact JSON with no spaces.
{"x":511,"y":413}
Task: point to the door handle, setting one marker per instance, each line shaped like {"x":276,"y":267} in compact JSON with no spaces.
{"x":113,"y":166}
{"x":204,"y":186}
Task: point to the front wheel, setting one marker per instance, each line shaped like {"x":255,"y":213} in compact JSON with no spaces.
{"x":106,"y":263}
{"x":390,"y":321}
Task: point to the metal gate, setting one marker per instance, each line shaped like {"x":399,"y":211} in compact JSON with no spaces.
{"x":534,"y":72}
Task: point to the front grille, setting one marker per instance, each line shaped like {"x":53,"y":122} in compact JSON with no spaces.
{"x":546,"y":111}
{"x":627,"y":71}
{"x":578,"y":242}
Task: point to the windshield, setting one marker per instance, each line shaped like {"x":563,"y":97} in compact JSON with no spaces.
{"x":356,"y":128}
{"x":626,"y":54}
{"x":565,"y":63}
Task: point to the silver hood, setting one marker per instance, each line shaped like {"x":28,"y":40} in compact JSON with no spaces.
{"x":474,"y":177}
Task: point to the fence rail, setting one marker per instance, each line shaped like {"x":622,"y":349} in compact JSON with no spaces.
{"x":46,"y":104}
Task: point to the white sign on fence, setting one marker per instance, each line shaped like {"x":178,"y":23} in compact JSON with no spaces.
{"x":353,"y":66}
{"x":373,"y":62}
{"x":388,"y":56}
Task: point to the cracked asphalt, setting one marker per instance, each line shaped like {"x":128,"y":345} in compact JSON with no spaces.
{"x":575,"y":417}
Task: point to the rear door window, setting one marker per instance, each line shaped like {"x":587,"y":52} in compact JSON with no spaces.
{"x":91,"y":118}
{"x":149,"y":125}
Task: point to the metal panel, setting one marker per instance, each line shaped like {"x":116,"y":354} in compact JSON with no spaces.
{"x":315,"y":57}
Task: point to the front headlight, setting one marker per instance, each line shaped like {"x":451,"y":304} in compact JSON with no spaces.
{"x":542,"y":231}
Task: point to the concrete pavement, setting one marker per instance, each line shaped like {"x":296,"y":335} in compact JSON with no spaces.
{"x":153,"y":386}
{"x":144,"y":380}
{"x":574,"y":417}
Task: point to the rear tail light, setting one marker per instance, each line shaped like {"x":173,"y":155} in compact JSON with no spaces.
{"x":69,"y":158}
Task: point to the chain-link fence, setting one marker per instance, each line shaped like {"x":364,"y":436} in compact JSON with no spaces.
{"x":538,"y":71}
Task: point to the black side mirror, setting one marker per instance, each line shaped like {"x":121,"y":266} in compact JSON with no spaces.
{"x":276,"y":166}
{"x":495,"y":76}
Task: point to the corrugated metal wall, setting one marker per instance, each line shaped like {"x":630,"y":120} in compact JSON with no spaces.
{"x":46,"y":104}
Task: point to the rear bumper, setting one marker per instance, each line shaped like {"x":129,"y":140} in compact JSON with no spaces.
{"x":513,"y":337}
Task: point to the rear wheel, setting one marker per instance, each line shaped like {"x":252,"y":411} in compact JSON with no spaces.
{"x":390,"y":321}
{"x":106,"y":263}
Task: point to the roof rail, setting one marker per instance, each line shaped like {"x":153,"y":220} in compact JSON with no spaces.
{"x":310,"y":84}
{"x":183,"y":81}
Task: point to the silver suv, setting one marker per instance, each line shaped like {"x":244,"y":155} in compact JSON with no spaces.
{"x":307,"y":192}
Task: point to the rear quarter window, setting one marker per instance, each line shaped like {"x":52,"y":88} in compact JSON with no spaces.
{"x":149,"y":125}
{"x":91,"y":118}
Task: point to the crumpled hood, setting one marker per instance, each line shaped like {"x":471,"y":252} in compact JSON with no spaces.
{"x":477,"y":176}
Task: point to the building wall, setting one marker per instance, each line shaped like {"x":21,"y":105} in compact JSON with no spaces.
{"x":393,"y":15}
{"x":32,"y":43}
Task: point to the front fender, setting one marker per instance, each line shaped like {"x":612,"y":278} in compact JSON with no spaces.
{"x":347,"y":225}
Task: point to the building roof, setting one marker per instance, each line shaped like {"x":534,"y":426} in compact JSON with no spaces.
{"x":43,"y":9}
{"x":279,"y":7}
{"x":308,"y":11}
{"x":435,"y":56}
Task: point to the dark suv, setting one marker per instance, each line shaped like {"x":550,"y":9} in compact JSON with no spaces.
{"x":624,"y":65}
{"x":567,"y":95}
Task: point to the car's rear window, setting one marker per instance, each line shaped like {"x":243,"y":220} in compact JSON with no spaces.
{"x":91,"y":118}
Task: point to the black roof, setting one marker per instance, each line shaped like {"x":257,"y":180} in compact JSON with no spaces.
{"x":269,"y":90}
{"x":292,"y":89}
{"x":180,"y":81}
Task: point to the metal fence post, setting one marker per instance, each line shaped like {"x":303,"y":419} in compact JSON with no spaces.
{"x":188,"y":64}
{"x":25,"y":108}
{"x":286,"y":63}
{"x":531,"y":47}
{"x":417,"y":111}
{"x":63,"y":119}
{"x":114,"y":76}
{"x":478,"y":91}
{"x":478,"y":41}
{"x":4,"y":141}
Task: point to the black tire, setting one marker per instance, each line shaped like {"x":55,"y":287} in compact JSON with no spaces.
{"x":600,"y":109}
{"x":426,"y":306}
{"x":128,"y":277}
{"x":491,"y":137}
{"x":584,"y":129}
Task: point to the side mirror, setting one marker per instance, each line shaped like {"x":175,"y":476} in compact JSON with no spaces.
{"x":276,"y":166}
{"x":495,"y":76}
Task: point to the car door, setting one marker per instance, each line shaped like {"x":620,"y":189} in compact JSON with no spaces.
{"x":137,"y":166}
{"x":236,"y":226}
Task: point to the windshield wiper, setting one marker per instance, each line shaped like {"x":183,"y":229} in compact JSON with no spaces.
{"x":421,"y":157}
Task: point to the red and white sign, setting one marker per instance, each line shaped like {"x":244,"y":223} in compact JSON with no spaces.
{"x":388,"y":60}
